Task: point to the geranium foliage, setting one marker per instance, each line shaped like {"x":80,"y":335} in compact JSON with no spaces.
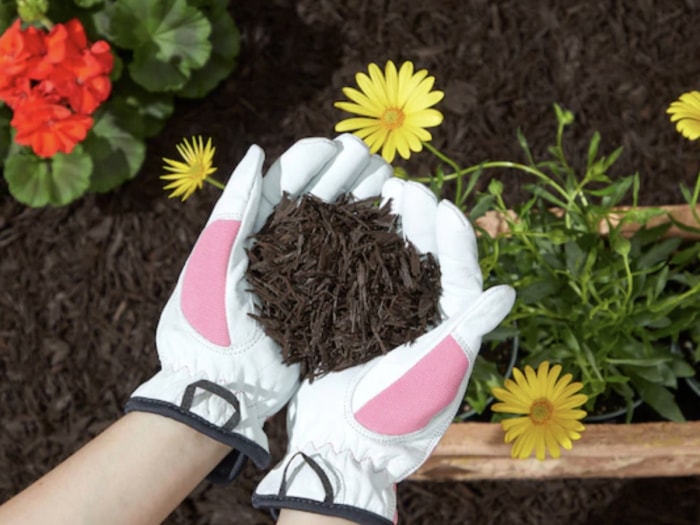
{"x":84,"y":83}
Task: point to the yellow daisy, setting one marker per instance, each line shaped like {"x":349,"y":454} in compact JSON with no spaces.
{"x":549,"y":405}
{"x":685,"y":112}
{"x":394,"y":108}
{"x":189,"y":175}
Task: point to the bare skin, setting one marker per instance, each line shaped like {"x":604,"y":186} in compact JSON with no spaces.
{"x":295,"y":517}
{"x":136,"y":472}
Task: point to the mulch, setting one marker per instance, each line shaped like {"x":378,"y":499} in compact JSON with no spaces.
{"x":82,"y":286}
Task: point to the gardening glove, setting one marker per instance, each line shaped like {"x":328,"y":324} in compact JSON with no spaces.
{"x":220,"y":374}
{"x":355,"y":433}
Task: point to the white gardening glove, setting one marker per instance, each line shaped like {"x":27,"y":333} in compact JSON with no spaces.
{"x":354,"y":434}
{"x":220,"y":374}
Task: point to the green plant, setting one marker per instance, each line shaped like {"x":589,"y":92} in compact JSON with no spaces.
{"x":601,"y":290}
{"x":600,"y":298}
{"x":54,"y":147}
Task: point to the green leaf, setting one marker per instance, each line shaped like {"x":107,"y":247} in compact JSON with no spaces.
{"x":575,"y":257}
{"x":659,"y":283}
{"x":5,"y":132}
{"x":88,"y":3}
{"x":659,"y":398}
{"x":437,"y":182}
{"x":225,"y":40}
{"x":169,"y":38}
{"x":540,"y":192}
{"x":639,"y":361}
{"x":537,"y":290}
{"x":593,"y":150}
{"x":154,"y":108}
{"x":525,"y":147}
{"x":8,"y":13}
{"x":115,"y":146}
{"x":482,"y":205}
{"x":658,"y":252}
{"x":56,"y":181}
{"x":613,"y":193}
{"x":682,"y":369}
{"x":484,"y":377}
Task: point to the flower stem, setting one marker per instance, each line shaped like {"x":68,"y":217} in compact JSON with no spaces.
{"x":447,"y":160}
{"x":215,"y":182}
{"x":459,"y":173}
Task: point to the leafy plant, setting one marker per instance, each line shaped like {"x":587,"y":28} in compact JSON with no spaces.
{"x":153,"y":52}
{"x":600,"y":290}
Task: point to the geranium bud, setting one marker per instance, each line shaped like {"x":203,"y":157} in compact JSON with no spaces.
{"x":32,"y":10}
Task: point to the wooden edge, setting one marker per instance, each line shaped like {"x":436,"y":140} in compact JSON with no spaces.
{"x":472,"y":451}
{"x":494,"y":222}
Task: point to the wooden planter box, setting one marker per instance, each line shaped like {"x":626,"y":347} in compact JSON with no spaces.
{"x":471,"y":451}
{"x":474,"y":451}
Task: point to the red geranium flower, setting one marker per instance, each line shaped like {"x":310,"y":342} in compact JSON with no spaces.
{"x":17,"y":92}
{"x":48,"y":127}
{"x":78,"y":72}
{"x":53,"y":82}
{"x":20,"y":52}
{"x":84,"y":81}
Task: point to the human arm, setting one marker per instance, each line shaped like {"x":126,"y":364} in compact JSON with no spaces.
{"x":135,"y":472}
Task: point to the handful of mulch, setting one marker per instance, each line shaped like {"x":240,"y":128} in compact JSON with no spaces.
{"x":337,"y":283}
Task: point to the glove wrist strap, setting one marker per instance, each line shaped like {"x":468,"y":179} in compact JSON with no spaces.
{"x":329,"y":484}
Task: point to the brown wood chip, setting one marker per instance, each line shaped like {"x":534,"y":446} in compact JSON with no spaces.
{"x":338,"y":285}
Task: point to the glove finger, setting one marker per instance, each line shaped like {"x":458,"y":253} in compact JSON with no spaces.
{"x":482,"y":316}
{"x":204,"y":279}
{"x":457,"y":254}
{"x":418,"y":214}
{"x":339,"y":175}
{"x":293,"y":171}
{"x":236,"y":195}
{"x":437,"y":365}
{"x":370,"y":182}
{"x":392,"y":190}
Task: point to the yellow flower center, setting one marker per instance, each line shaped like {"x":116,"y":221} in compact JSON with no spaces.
{"x":197,"y":171}
{"x":392,"y":118}
{"x":541,"y":411}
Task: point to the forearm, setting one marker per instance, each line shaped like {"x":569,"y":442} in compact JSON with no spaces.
{"x":136,"y":473}
{"x":296,"y":517}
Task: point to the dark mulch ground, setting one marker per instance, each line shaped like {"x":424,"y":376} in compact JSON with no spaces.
{"x":82,"y":286}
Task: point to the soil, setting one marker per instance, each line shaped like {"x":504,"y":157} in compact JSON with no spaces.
{"x":82,"y":286}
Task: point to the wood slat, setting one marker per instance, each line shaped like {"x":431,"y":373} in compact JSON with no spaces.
{"x":495,"y":223}
{"x":471,"y":451}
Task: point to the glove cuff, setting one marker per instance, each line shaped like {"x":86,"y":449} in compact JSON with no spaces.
{"x":216,"y":410}
{"x":329,"y":483}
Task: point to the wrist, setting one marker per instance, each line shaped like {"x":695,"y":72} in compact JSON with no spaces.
{"x":218,"y":411}
{"x":296,"y":517}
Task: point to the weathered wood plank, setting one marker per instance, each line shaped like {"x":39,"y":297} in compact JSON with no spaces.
{"x":495,"y":223}
{"x":471,"y":451}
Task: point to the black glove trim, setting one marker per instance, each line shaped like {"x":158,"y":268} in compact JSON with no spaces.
{"x":362,"y":516}
{"x":242,"y":444}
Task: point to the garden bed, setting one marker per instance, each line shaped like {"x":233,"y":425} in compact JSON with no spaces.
{"x":476,"y":450}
